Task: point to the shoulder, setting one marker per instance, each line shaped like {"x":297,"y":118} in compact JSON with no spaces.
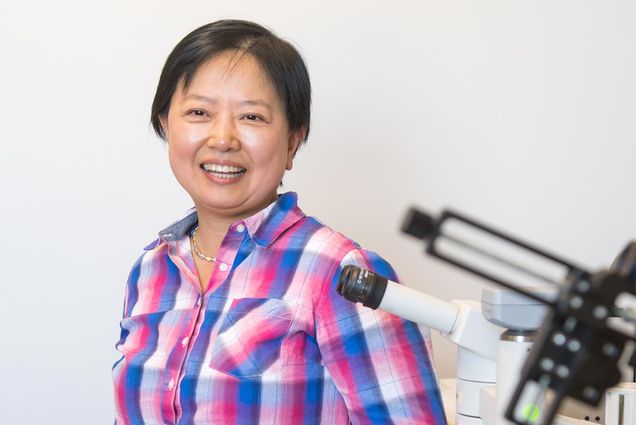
{"x":337,"y":246}
{"x":328,"y":251}
{"x":311,"y":228}
{"x":155,"y":254}
{"x":149,"y":260}
{"x":149,"y":271}
{"x":316,"y":237}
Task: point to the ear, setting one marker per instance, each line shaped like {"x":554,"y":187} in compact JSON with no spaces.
{"x":295,"y":138}
{"x":163,"y":119}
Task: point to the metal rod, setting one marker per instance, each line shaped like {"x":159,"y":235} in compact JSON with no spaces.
{"x":499,"y":259}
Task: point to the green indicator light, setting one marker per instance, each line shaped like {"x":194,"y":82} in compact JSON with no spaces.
{"x":531,"y":413}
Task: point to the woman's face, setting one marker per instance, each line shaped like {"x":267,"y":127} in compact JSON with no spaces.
{"x":229,"y":142}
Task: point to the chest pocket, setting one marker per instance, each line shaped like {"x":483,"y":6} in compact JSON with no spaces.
{"x":250,"y":337}
{"x":142,"y":331}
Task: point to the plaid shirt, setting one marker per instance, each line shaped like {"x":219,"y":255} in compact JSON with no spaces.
{"x":270,"y":341}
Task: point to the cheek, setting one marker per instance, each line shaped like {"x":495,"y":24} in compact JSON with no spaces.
{"x":178,"y":153}
{"x":184,"y":142}
{"x":266,"y":150}
{"x":181,"y":156}
{"x":182,"y":134}
{"x":177,"y":165}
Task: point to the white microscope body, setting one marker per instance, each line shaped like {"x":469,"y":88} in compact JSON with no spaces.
{"x":493,"y":339}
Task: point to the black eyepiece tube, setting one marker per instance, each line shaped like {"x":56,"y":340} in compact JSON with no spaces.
{"x":363,"y":286}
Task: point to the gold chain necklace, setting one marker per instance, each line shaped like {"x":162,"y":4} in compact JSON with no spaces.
{"x":196,"y":248}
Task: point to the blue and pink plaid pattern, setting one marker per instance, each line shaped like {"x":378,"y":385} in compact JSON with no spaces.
{"x":270,"y":341}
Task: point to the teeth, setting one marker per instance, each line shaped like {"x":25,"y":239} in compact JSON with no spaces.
{"x":225,"y":176}
{"x":218,"y":168}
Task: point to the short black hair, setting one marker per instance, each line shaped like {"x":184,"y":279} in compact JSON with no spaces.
{"x":278,"y":58}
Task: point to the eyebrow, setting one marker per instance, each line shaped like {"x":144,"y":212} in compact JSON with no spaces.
{"x":255,"y":102}
{"x":200,"y":97}
{"x":247,"y":102}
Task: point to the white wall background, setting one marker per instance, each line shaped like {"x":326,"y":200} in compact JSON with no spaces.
{"x":517,"y":112}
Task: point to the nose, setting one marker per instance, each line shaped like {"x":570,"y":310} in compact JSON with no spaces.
{"x":223,"y":135}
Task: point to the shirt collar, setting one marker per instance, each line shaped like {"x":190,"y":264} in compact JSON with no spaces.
{"x":264,"y":227}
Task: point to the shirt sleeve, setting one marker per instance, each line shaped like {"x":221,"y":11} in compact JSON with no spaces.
{"x":379,"y":362}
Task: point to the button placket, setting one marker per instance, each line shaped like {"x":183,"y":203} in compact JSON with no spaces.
{"x":184,"y":344}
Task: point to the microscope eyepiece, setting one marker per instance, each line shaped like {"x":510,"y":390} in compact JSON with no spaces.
{"x":363,"y":286}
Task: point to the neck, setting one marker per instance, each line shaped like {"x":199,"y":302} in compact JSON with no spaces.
{"x":213,"y":227}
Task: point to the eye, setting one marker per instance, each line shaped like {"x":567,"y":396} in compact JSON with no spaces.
{"x":253,"y":117}
{"x":197,"y":113}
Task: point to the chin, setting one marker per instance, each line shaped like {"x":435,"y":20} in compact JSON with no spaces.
{"x":232,"y":206}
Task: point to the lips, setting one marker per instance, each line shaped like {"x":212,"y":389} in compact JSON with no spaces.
{"x":223,"y":171}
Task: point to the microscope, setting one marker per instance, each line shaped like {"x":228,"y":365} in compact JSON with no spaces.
{"x":553,"y":330}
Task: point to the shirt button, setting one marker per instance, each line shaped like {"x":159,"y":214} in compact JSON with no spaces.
{"x":240,"y":228}
{"x":184,"y":341}
{"x":199,"y":302}
{"x":171,"y":384}
{"x":223,"y":267}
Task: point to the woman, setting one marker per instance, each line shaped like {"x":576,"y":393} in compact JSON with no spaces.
{"x":231,"y":316}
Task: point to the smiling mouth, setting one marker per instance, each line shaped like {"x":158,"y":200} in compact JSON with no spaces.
{"x":223,"y":171}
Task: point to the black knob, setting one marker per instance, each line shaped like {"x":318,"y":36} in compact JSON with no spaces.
{"x":418,"y":224}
